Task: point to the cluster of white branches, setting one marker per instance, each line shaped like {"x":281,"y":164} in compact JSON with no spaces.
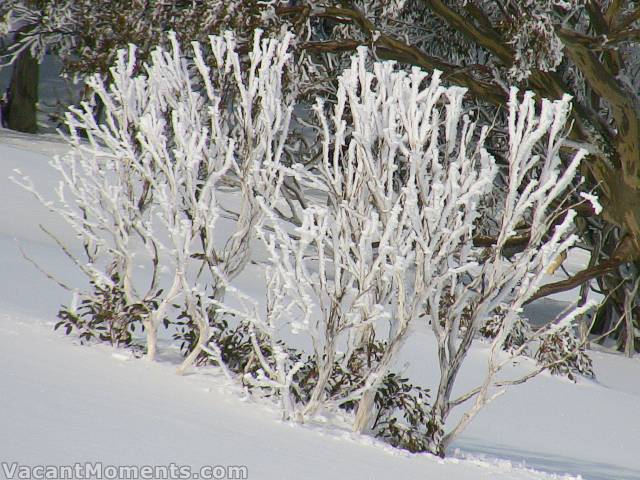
{"x":537,"y":186}
{"x":389,"y":239}
{"x":150,"y":174}
{"x":378,"y":239}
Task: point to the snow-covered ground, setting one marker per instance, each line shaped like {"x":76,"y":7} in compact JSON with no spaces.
{"x":61,"y":403}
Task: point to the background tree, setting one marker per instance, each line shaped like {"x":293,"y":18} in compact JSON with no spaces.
{"x":86,"y":36}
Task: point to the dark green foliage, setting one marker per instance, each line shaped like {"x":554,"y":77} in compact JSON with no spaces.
{"x":348,"y":374}
{"x":105,"y":316}
{"x":403,"y":413}
{"x":564,"y":356}
{"x":402,"y":408}
{"x":234,"y":342}
{"x":560,"y":350}
{"x":517,"y":336}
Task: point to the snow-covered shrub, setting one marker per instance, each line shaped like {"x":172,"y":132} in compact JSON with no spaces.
{"x":389,"y":240}
{"x":501,"y":285}
{"x":143,"y":189}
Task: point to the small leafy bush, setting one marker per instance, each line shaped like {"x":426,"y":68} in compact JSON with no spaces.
{"x":565,"y":356}
{"x":105,"y":316}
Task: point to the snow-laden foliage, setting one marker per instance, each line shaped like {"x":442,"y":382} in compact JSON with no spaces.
{"x":368,"y":232}
{"x":39,"y":28}
{"x":86,"y":34}
{"x":535,"y":43}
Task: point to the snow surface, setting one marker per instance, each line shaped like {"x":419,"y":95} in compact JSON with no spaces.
{"x":62,"y":403}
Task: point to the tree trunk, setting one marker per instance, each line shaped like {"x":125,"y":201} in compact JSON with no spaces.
{"x":152,"y":339}
{"x":23,"y":94}
{"x":362,"y":423}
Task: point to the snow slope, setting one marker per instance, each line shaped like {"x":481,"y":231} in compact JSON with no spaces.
{"x":61,"y":403}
